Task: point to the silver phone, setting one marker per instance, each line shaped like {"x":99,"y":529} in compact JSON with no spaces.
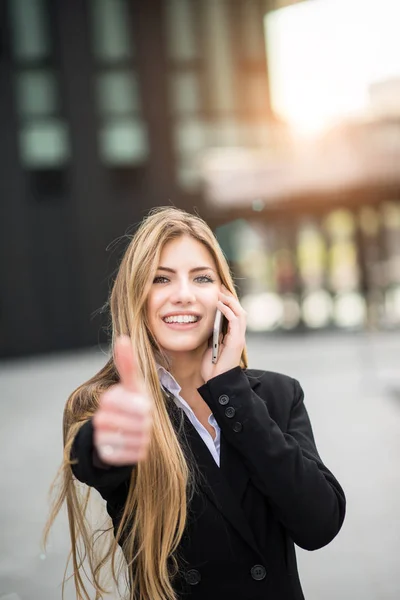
{"x":217,"y":330}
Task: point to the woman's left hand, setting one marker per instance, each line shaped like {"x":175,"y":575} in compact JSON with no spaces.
{"x":231,"y":348}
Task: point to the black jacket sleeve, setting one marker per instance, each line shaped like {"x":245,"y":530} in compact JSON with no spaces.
{"x":89,"y":469}
{"x":284,"y":465}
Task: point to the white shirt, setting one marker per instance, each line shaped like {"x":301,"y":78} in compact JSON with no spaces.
{"x":170,"y":383}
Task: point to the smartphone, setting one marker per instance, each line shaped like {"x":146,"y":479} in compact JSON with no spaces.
{"x":219,"y":327}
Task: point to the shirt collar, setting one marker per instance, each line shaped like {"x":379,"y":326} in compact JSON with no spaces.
{"x":168,"y":381}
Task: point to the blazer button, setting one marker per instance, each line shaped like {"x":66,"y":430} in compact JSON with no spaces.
{"x":237,"y":427}
{"x":193,"y":577}
{"x":230,"y":412}
{"x":224,"y":399}
{"x":258,"y":572}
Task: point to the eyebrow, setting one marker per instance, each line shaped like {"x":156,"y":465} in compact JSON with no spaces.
{"x":194,"y":270}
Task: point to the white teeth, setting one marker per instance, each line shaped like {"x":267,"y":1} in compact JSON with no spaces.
{"x":181,"y":319}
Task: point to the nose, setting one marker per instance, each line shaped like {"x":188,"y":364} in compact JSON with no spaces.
{"x":183,"y":293}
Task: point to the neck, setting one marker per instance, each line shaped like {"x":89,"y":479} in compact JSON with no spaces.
{"x":186,"y":369}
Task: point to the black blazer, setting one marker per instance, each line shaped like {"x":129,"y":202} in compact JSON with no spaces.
{"x":270,"y":492}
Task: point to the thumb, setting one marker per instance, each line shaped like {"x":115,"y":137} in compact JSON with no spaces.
{"x":126,"y":364}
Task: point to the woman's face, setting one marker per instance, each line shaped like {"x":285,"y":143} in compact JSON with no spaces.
{"x":183,"y":298}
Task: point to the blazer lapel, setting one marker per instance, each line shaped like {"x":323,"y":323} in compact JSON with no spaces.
{"x":225,"y":485}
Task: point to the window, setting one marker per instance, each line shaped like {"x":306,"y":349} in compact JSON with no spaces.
{"x":218,"y":79}
{"x":123,"y":139}
{"x":43,"y":131}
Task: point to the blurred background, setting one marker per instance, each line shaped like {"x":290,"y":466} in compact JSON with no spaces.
{"x":279,"y":123}
{"x":280,"y":127}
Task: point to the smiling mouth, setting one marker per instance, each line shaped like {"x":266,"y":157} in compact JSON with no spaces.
{"x":182,"y":320}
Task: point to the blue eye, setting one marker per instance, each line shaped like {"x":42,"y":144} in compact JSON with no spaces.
{"x":199,"y":279}
{"x":205,"y":279}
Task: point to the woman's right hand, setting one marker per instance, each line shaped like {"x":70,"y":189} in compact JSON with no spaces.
{"x":122,"y":423}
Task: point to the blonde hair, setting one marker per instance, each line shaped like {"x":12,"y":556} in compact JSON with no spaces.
{"x":159,"y":489}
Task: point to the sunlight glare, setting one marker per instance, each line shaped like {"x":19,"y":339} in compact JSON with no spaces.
{"x":323,"y":56}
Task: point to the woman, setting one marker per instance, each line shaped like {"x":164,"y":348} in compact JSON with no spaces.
{"x":209,"y":471}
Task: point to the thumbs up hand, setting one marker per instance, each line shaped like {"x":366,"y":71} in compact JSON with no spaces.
{"x":122,"y":423}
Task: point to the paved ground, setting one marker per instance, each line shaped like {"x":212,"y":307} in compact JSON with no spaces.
{"x":352,"y":386}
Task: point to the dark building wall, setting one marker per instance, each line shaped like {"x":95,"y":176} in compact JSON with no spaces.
{"x":58,"y":219}
{"x":66,"y":192}
{"x":105,"y":106}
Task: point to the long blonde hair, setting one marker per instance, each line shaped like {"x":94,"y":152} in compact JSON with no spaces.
{"x":160,"y":486}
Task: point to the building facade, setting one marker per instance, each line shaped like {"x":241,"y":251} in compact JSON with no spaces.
{"x":106,"y":110}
